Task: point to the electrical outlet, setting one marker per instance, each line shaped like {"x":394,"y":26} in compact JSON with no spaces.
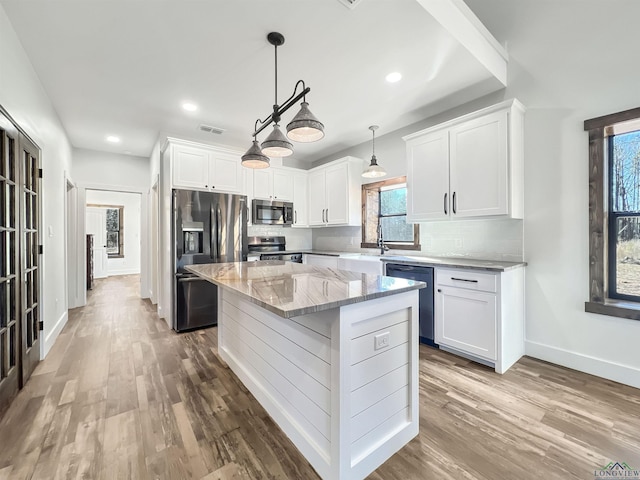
{"x":381,"y":341}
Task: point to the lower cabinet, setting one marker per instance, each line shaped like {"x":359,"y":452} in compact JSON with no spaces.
{"x":480,"y":315}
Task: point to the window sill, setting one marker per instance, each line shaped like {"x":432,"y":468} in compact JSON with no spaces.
{"x":392,"y":246}
{"x":115,"y":256}
{"x":614,"y":308}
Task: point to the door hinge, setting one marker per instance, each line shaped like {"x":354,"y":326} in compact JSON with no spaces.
{"x":41,"y":325}
{"x":39,"y":173}
{"x":40,"y":249}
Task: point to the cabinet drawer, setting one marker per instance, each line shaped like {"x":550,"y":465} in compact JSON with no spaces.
{"x":469,"y":279}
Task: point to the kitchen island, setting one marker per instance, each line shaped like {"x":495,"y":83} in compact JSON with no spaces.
{"x":331,"y":355}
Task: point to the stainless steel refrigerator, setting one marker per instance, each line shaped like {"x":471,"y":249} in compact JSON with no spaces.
{"x":207,"y":228}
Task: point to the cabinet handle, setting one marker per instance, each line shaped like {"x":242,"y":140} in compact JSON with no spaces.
{"x":464,"y":280}
{"x":445,"y":203}
{"x":327,"y":216}
{"x":454,"y":202}
{"x":295,"y":216}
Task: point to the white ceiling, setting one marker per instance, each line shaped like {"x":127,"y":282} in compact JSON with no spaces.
{"x":123,"y":67}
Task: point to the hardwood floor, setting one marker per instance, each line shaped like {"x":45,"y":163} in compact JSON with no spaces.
{"x":122,"y":396}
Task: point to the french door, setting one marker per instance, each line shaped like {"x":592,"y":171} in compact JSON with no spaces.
{"x":19,"y":259}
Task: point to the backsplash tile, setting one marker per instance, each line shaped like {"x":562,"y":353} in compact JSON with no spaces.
{"x":297,"y":238}
{"x":487,"y":239}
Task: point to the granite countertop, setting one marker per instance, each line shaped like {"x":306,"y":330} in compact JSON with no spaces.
{"x":454,"y":262}
{"x":290,"y":289}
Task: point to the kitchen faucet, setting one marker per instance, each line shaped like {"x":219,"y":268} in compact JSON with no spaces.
{"x":380,"y":243}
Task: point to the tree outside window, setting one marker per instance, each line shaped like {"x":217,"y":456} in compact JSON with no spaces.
{"x":115,"y":242}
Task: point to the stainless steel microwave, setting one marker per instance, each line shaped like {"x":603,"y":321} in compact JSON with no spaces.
{"x":265,"y":212}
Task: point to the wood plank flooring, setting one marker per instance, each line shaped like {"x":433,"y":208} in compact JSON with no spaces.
{"x":120,"y":396}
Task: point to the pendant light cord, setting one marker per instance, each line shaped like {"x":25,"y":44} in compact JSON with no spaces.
{"x":276,"y":69}
{"x":374,"y":142}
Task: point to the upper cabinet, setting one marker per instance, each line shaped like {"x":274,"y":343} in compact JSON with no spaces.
{"x":334,"y":193}
{"x":204,"y":167}
{"x":273,"y":184}
{"x":300,"y":210}
{"x":468,"y":167}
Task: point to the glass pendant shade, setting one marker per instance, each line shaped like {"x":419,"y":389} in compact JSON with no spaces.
{"x":305,"y":127}
{"x":374,"y":170}
{"x":254,"y":158}
{"x":276,"y":144}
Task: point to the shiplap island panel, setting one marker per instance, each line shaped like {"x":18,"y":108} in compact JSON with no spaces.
{"x":331,"y":355}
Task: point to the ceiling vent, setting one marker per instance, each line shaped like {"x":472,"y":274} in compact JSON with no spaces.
{"x":351,"y":4}
{"x":210,"y":129}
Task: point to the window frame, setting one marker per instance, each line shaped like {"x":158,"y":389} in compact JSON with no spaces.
{"x":377,"y":186}
{"x":600,"y":157}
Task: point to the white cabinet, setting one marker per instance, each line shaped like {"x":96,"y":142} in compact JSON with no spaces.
{"x":204,"y":167}
{"x":334,"y":193}
{"x":480,"y":315}
{"x":320,"y":260}
{"x":273,"y":184}
{"x":300,"y":205}
{"x":471,"y":166}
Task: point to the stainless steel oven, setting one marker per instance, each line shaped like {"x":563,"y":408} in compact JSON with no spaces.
{"x":264,"y":212}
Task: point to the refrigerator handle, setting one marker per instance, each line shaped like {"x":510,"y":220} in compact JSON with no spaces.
{"x":177,"y":218}
{"x":218,"y":230}
{"x":213,"y":234}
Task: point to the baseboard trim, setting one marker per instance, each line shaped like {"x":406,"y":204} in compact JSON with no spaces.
{"x":584,"y":363}
{"x":53,"y":334}
{"x":127,"y":271}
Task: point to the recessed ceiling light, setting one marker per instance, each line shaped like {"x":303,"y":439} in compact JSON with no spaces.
{"x":394,"y":77}
{"x":113,"y":139}
{"x":189,"y":107}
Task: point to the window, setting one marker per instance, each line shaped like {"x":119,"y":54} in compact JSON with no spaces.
{"x":624,"y":216}
{"x":614,"y":214}
{"x":115,"y":232}
{"x":385,"y":204}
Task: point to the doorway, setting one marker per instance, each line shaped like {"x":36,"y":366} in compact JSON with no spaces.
{"x":113,"y":219}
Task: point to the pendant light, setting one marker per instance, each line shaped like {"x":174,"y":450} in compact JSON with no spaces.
{"x":254,"y":158}
{"x":374,"y":170}
{"x":304,"y":127}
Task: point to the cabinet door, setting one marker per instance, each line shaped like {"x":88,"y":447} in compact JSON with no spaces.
{"x":466,"y":320}
{"x":337,"y":195}
{"x":283,"y":185}
{"x":478,"y":167}
{"x":190,"y":167}
{"x":300,"y":210}
{"x":225,"y":173}
{"x":428,"y":177}
{"x":263,"y":183}
{"x":316,"y":198}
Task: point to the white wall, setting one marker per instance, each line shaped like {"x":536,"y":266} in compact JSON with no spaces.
{"x":23,"y":96}
{"x":569,"y":61}
{"x":130,"y":263}
{"x":114,"y":172}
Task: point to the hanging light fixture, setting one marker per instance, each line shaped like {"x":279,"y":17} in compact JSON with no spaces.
{"x":304,"y":127}
{"x":374,"y":170}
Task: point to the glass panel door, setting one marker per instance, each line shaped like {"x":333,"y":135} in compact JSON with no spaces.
{"x":30,"y":257}
{"x":9,"y":324}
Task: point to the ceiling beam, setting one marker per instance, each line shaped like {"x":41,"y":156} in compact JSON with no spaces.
{"x":458,"y":19}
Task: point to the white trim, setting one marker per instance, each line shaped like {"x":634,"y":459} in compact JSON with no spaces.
{"x":53,"y":334}
{"x":125,"y":271}
{"x":584,"y":363}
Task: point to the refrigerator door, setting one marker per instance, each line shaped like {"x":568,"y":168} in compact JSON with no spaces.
{"x":228,"y":231}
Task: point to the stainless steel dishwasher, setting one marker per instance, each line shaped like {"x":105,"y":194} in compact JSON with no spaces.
{"x":425,"y":302}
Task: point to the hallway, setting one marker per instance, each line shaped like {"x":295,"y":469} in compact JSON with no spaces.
{"x":121,"y":396}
